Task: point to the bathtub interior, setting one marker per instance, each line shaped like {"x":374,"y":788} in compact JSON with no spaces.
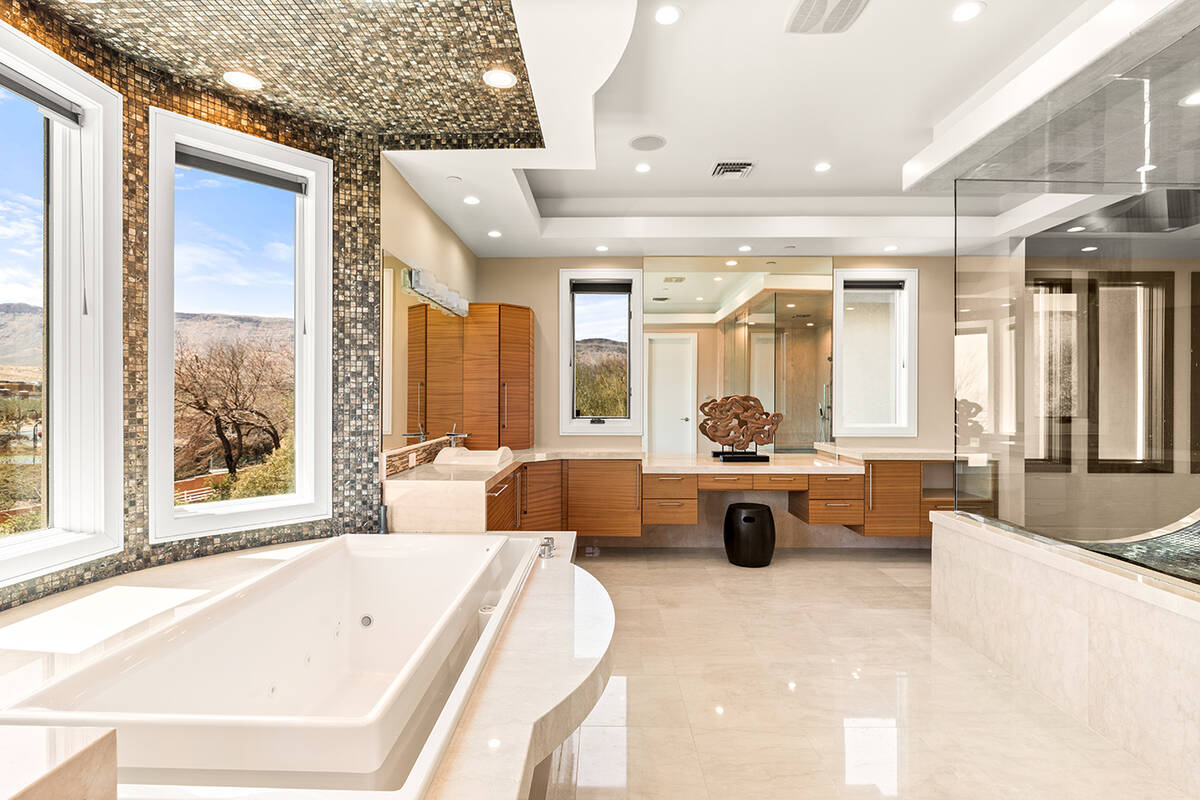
{"x":340,"y":637}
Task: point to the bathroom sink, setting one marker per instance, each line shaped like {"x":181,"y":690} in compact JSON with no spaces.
{"x":461,"y":456}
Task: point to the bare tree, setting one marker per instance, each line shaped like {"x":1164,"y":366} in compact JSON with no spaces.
{"x":233,"y":399}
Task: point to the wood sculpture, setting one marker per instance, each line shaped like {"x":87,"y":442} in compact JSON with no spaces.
{"x":738,"y":421}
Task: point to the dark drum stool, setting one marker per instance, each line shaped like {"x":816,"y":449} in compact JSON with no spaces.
{"x":749,"y":534}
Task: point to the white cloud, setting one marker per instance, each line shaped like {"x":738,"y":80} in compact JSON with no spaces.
{"x":20,"y":221}
{"x":280,"y":251}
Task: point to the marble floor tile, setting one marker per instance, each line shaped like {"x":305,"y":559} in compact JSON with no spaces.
{"x":821,"y":677}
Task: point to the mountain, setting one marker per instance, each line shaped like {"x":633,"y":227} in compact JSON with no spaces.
{"x":594,"y":351}
{"x":21,"y":333}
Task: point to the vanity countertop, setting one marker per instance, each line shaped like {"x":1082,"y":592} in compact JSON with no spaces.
{"x":791,"y":463}
{"x":861,"y":454}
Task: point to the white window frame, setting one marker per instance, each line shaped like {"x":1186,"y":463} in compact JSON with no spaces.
{"x":312,"y":499}
{"x":85,"y":443}
{"x":568,"y":425}
{"x":906,"y":373}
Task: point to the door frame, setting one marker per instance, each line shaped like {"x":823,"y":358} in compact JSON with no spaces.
{"x":692,"y":338}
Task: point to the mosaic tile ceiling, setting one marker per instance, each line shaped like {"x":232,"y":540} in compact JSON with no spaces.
{"x":410,"y":66}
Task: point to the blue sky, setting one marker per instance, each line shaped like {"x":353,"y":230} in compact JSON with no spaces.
{"x":234,"y":248}
{"x":602,"y":316}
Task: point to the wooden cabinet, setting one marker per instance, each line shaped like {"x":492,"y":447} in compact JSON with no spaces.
{"x":829,"y":500}
{"x":780,"y":483}
{"x":837,"y":487}
{"x":604,"y":498}
{"x":670,"y":499}
{"x":541,"y":496}
{"x":830,"y":511}
{"x":503,"y":503}
{"x":673,"y":487}
{"x":725,"y":483}
{"x":893,"y":499}
{"x":498,"y":376}
{"x":435,"y":371}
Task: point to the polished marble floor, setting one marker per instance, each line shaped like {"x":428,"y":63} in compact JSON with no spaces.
{"x":819,"y":677}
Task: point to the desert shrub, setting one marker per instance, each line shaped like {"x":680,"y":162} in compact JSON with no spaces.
{"x":276,"y":475}
{"x":602,"y":387}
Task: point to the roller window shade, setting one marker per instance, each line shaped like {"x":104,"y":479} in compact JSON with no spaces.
{"x":50,"y":103}
{"x":194,"y":157}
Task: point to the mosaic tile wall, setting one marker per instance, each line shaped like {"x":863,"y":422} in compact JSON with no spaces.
{"x":410,"y":66}
{"x":356,"y":294}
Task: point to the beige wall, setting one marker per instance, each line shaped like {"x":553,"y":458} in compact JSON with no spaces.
{"x":411,"y":232}
{"x":708,"y":368}
{"x":533,"y":282}
{"x":413,"y":235}
{"x":935,"y":352}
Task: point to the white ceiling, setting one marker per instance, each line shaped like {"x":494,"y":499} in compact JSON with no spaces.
{"x":902,"y":91}
{"x":715,"y":289}
{"x":728,"y":83}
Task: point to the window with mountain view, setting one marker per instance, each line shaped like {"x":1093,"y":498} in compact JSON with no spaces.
{"x":235,"y":299}
{"x":601,"y":319}
{"x":24,"y":166}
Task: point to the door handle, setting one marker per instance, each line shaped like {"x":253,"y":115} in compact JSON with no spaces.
{"x":685,"y":419}
{"x":505,"y":425}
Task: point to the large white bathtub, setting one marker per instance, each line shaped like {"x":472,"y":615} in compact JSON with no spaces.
{"x":341,"y":668}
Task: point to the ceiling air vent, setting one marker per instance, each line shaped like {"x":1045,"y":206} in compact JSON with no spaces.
{"x":674,"y":279}
{"x":658,"y":299}
{"x":732,"y":169}
{"x":810,"y":16}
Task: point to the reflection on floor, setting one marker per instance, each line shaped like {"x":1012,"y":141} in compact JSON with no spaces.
{"x":816,"y":678}
{"x":1176,"y":553}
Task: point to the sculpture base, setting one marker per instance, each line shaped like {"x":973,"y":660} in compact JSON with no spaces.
{"x":741,"y":457}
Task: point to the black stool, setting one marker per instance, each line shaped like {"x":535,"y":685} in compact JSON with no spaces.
{"x":749,"y":534}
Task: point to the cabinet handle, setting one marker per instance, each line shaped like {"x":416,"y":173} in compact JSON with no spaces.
{"x":671,"y":478}
{"x":833,"y":478}
{"x":505,"y":385}
{"x":420,"y":419}
{"x":781,"y":479}
{"x":499,"y":491}
{"x":943,"y":508}
{"x":720,"y":478}
{"x":870,"y":486}
{"x":637,"y":495}
{"x":837,"y":505}
{"x":520,"y":484}
{"x":670,"y":505}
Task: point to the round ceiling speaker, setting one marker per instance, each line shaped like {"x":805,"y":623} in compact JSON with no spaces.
{"x":647,"y":143}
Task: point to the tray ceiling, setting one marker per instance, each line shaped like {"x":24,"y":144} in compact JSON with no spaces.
{"x":411,"y":66}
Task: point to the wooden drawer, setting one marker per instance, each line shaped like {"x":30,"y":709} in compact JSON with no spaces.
{"x":725,"y":483}
{"x":834,"y":512}
{"x":670,"y":486}
{"x":669,"y":512}
{"x":780,"y":483}
{"x":839,"y":487}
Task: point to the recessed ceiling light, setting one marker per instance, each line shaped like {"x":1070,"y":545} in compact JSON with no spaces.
{"x":809,"y":324}
{"x":1144,"y":168}
{"x":699,"y":299}
{"x":1076,"y":229}
{"x":601,"y":248}
{"x":749,"y":323}
{"x":964,"y":311}
{"x":471,"y":200}
{"x":1192,"y":99}
{"x":718,"y":279}
{"x":890,"y":248}
{"x":849,"y":308}
{"x":1006,"y":305}
{"x":745,"y":248}
{"x":965,"y":12}
{"x":667,"y":15}
{"x":791,"y":305}
{"x":642,"y":167}
{"x":242,"y":80}
{"x":650,"y":141}
{"x":1089,"y":249}
{"x":731,"y":263}
{"x":500,"y":79}
{"x":822,"y":166}
{"x":495,"y":234}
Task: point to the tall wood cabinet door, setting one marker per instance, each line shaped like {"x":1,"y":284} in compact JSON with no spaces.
{"x":444,"y":367}
{"x":516,"y":377}
{"x":541,"y":496}
{"x":892,"y":504}
{"x":418,"y":388}
{"x":481,"y":376}
{"x":604,"y":497}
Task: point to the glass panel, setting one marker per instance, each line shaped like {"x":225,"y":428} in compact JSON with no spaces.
{"x":804,"y":369}
{"x":24,"y":166}
{"x":235,"y":382}
{"x":601,"y":355}
{"x":870,"y":328}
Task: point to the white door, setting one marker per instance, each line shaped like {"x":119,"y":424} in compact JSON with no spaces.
{"x":671,"y":393}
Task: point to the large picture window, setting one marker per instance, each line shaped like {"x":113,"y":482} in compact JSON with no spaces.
{"x":240,"y":405}
{"x":60,"y":314}
{"x":601,"y":317}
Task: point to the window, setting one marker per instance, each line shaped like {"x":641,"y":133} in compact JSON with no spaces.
{"x":601,"y":373}
{"x":1131,"y":332}
{"x":60,"y":357}
{"x":875,"y":352}
{"x":240,"y":406}
{"x":1053,"y":306}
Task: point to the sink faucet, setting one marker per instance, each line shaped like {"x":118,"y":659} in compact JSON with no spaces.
{"x":420,"y":435}
{"x":454,"y":437}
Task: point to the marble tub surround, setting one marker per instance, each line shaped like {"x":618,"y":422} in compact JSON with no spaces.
{"x":1116,"y":646}
{"x":442,"y":498}
{"x":53,"y":763}
{"x":820,"y":677}
{"x":860,"y":454}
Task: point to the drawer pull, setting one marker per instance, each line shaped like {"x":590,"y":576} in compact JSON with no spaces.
{"x":837,"y":505}
{"x":943,"y":508}
{"x":726,"y":478}
{"x":670,"y":505}
{"x":499,"y":491}
{"x":831,"y":478}
{"x":781,"y":479}
{"x":671,"y":478}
